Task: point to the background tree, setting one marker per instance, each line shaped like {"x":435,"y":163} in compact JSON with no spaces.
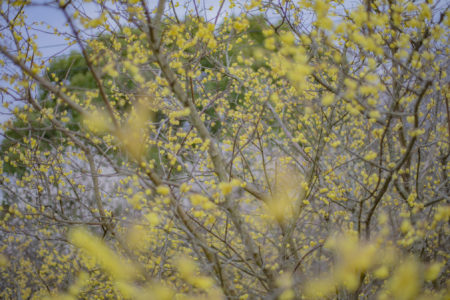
{"x":311,"y":164}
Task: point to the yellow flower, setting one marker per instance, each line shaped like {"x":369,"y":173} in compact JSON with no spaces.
{"x":3,"y":261}
{"x":370,"y":156}
{"x":184,"y":188}
{"x":152,"y":218}
{"x":328,"y":99}
{"x":381,"y":272}
{"x":433,"y":271}
{"x":226,"y":188}
{"x":375,"y":114}
{"x":269,"y":43}
{"x":405,"y":283}
{"x":163,"y":190}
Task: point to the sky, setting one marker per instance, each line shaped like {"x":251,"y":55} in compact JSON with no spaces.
{"x":48,"y":43}
{"x":52,"y":45}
